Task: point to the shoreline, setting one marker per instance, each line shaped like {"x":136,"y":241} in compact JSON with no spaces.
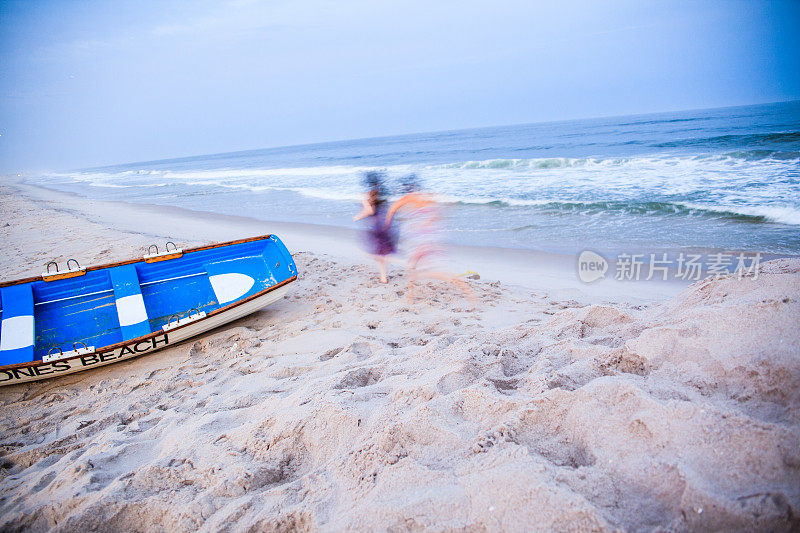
{"x":520,"y":267}
{"x":558,"y":249}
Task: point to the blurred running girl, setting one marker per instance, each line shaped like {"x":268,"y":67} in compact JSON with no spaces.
{"x":381,"y":238}
{"x":422,"y":233}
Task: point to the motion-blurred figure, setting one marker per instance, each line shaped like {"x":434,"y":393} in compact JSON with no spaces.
{"x":381,"y":237}
{"x":422,"y":233}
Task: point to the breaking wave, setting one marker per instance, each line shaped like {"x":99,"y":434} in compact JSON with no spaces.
{"x":564,"y":162}
{"x":755,"y":214}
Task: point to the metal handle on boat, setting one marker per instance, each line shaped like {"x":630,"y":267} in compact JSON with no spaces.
{"x":176,"y":317}
{"x":174,"y":246}
{"x":50,"y":351}
{"x":151,"y":247}
{"x":77,"y":266}
{"x":194,"y":309}
{"x":76,"y":343}
{"x":53,"y":263}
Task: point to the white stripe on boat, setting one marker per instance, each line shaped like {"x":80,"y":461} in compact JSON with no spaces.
{"x":17,"y":332}
{"x":106,"y":291}
{"x":145,"y":284}
{"x":131,"y":310}
{"x":229,"y":287}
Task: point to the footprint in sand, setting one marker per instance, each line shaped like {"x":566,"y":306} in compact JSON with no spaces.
{"x":362,"y":377}
{"x":44,"y":481}
{"x":330,"y":354}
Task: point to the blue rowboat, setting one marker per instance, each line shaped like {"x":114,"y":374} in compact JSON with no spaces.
{"x":81,"y":318}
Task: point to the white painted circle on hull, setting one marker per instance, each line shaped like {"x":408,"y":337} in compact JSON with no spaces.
{"x":131,"y":310}
{"x":16,"y":332}
{"x":229,"y":287}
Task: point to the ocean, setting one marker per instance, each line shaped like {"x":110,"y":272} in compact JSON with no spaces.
{"x":710,"y":180}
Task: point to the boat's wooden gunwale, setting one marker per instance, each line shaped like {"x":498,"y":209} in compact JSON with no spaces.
{"x":141,"y":259}
{"x":154,"y":334}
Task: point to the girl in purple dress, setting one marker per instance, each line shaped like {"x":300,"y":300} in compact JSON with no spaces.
{"x":381,"y":237}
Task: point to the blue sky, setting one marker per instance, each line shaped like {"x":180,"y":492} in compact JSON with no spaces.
{"x":92,"y":83}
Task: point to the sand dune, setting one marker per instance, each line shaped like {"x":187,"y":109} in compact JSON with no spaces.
{"x":345,"y":406}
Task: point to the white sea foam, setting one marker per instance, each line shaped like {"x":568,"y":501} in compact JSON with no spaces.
{"x":518,"y":163}
{"x":782,"y":214}
{"x":483,"y":200}
{"x":110,"y":185}
{"x":326,"y":194}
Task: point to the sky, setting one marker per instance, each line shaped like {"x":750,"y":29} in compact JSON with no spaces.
{"x":97,"y":83}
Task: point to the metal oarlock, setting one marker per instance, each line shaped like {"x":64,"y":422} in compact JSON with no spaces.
{"x":153,"y":255}
{"x":76,"y":350}
{"x":70,"y":272}
{"x":54,"y":354}
{"x":169,"y":322}
{"x":198,"y":314}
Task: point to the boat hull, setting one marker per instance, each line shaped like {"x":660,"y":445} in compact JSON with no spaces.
{"x":130,"y":349}
{"x":83,"y":318}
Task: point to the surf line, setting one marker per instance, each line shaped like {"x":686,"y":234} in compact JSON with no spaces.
{"x":74,"y":364}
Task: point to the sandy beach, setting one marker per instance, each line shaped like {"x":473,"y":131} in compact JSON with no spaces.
{"x":550,"y":405}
